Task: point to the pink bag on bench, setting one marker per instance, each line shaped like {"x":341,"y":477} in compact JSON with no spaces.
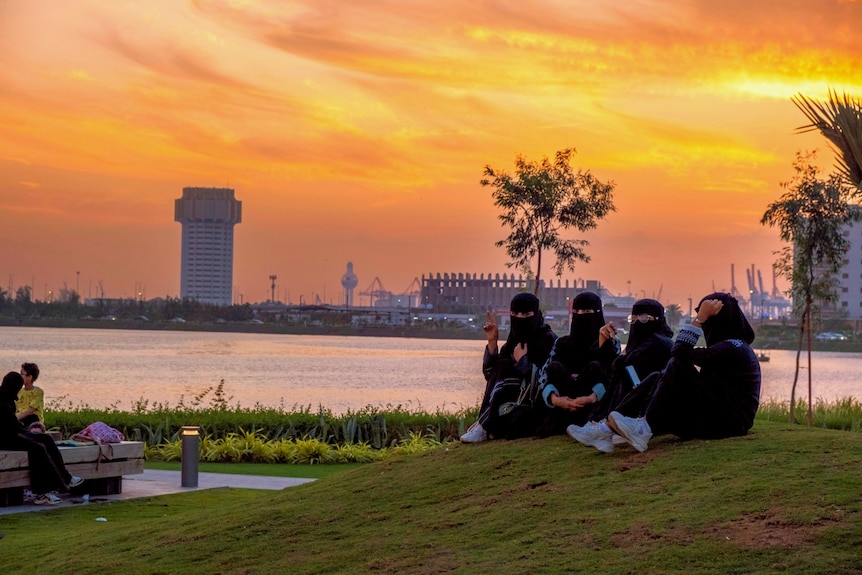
{"x":99,"y":432}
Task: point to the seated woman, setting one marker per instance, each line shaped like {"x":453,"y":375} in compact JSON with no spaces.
{"x":575,"y":374}
{"x":718,"y":401}
{"x":48,"y":473}
{"x":647,"y":351}
{"x":510,"y":371}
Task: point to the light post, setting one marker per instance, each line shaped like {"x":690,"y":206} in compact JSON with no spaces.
{"x":191,"y":443}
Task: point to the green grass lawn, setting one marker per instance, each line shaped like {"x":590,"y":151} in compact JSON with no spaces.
{"x":780,"y":500}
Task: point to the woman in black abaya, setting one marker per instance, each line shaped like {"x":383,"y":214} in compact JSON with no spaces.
{"x":718,"y":401}
{"x":575,"y":375}
{"x":48,"y":474}
{"x":511,"y":372}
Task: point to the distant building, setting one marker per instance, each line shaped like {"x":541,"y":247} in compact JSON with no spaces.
{"x":471,"y":294}
{"x":208,"y":216}
{"x":849,"y":304}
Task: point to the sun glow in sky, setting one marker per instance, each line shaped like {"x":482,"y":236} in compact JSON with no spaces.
{"x":358,"y":131}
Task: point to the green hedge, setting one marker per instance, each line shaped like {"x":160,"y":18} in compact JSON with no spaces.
{"x":157,"y":424}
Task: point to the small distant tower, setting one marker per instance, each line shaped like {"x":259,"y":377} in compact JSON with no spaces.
{"x":208,"y":216}
{"x":272,"y":278}
{"x":349,"y":281}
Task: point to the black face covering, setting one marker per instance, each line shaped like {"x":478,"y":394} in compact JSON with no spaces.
{"x":640,"y":332}
{"x":730,"y":323}
{"x":12,"y":384}
{"x":525,"y":329}
{"x":585,"y":327}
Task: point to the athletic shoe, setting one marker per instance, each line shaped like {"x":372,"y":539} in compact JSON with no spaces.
{"x":593,"y":434}
{"x":76,"y":481}
{"x":634,"y":430}
{"x":47,"y":499}
{"x":618,"y":440}
{"x":475,"y":434}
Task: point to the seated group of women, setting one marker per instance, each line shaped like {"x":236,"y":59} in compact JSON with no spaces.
{"x":585,"y":385}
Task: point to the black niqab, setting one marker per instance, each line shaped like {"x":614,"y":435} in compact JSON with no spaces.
{"x":729,"y":323}
{"x":12,"y":384}
{"x":584,"y":330}
{"x":640,"y":332}
{"x":524,"y":329}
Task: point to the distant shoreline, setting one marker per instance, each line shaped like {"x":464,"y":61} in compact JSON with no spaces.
{"x":416,"y":331}
{"x":242,"y":327}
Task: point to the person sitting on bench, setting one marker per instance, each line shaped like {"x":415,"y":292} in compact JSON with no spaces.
{"x":48,"y":473}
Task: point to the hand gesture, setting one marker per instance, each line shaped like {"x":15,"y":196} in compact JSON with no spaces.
{"x":709,"y":308}
{"x":606,"y":332}
{"x":572,"y":403}
{"x":492,"y":331}
{"x":519,"y":351}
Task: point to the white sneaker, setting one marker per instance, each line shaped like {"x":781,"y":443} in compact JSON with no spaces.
{"x":475,"y":434}
{"x":76,"y":481}
{"x":593,"y":434}
{"x":47,"y":499}
{"x":634,"y":430}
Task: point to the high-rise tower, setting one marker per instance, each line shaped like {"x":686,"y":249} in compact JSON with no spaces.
{"x":349,"y":281}
{"x":208,"y":216}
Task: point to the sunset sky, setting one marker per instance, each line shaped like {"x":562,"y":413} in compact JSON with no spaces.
{"x":358,"y":131}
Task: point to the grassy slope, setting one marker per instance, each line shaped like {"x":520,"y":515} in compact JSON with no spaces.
{"x":781,"y":500}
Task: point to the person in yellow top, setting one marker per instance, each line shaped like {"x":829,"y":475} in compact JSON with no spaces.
{"x":31,"y":399}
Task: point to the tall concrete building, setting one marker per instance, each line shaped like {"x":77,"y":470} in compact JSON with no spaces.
{"x":849,"y":304}
{"x":208,"y":216}
{"x":349,"y":281}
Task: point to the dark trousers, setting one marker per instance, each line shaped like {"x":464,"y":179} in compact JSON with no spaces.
{"x":678,"y":400}
{"x":26,"y":421}
{"x":47,"y":470}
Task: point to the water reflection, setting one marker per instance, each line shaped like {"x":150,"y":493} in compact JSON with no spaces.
{"x":118,"y":367}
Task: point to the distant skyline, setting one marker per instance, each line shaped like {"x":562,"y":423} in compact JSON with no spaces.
{"x":358,"y":132}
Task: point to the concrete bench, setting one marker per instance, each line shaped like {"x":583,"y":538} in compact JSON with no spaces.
{"x":102,"y":467}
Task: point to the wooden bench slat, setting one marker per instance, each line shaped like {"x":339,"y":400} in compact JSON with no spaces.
{"x":106,"y":468}
{"x":124,"y":450}
{"x":78,"y":454}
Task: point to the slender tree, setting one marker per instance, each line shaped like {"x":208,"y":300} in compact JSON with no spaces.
{"x":541,"y":201}
{"x":810,"y":217}
{"x":840,"y":121}
{"x":673,"y":315}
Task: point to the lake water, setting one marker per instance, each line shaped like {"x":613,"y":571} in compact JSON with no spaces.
{"x":105,"y":367}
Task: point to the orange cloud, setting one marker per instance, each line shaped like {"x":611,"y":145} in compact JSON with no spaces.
{"x":359,"y":130}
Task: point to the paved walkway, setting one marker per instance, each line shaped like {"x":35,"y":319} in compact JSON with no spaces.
{"x":156,"y":482}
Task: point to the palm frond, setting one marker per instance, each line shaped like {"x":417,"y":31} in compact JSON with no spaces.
{"x":840,"y":121}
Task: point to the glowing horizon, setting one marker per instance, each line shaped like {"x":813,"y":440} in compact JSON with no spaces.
{"x":358,"y":132}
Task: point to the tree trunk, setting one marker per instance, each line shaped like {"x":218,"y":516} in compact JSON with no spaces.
{"x":538,"y":273}
{"x":810,"y":412}
{"x":796,"y":372}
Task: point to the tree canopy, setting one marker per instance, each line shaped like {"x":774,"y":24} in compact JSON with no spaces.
{"x":539,"y":202}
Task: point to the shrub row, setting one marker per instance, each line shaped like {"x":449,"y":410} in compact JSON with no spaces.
{"x":157,"y":424}
{"x":249,"y":447}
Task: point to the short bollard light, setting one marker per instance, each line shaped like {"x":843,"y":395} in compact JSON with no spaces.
{"x":191,"y":455}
